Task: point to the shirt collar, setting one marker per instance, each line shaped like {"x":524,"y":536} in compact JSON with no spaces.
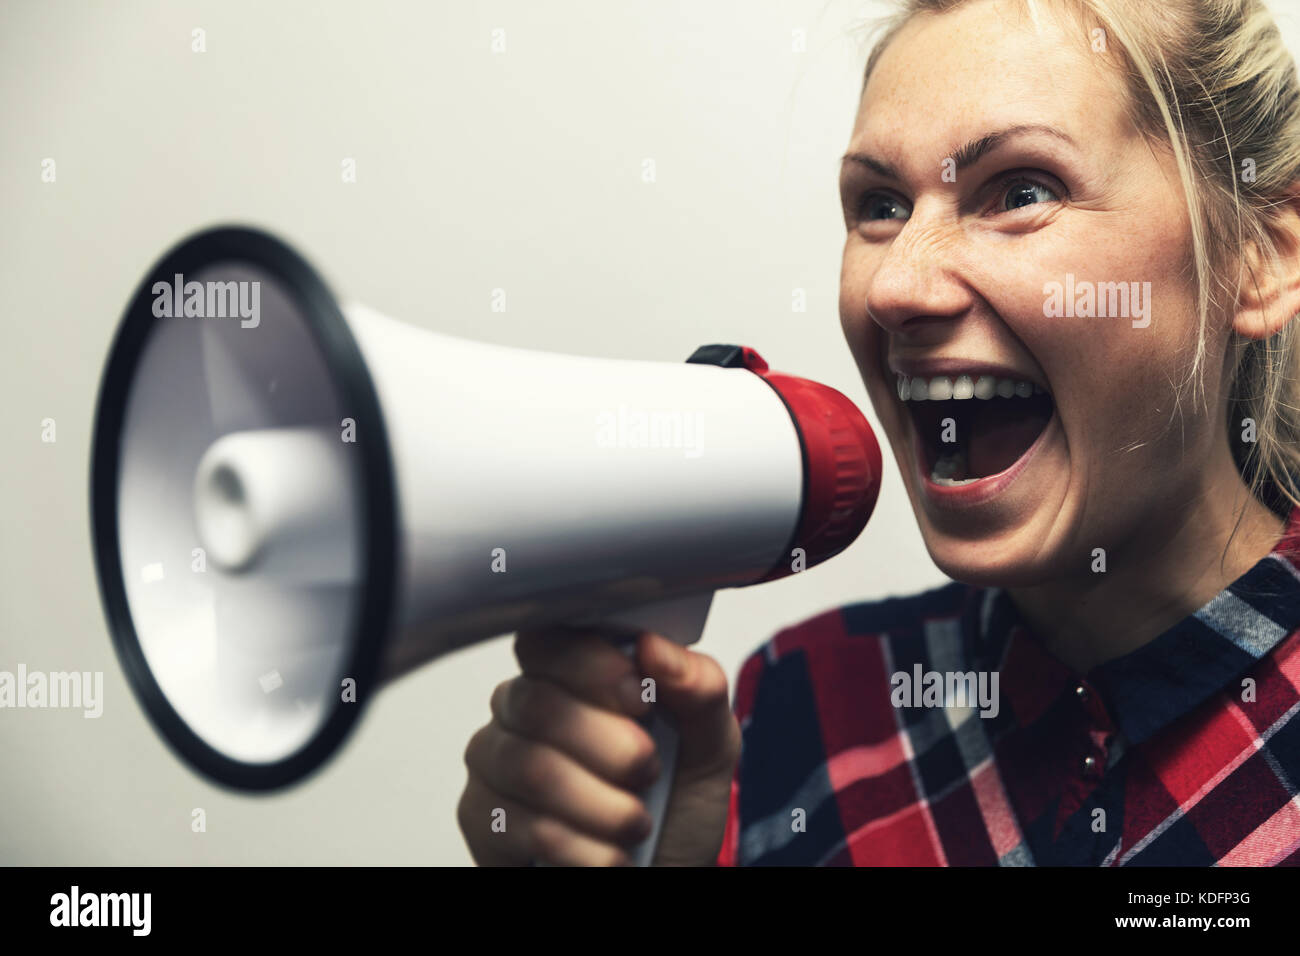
{"x":1150,"y":687}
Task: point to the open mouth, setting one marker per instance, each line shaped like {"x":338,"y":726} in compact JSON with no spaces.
{"x":973,"y":427}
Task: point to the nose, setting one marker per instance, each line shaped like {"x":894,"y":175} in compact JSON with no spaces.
{"x":918,"y":280}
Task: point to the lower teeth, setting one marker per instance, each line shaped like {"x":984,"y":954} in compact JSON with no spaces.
{"x":948,"y":464}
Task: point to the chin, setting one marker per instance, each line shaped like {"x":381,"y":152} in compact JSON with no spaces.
{"x":1000,"y":544}
{"x":988,"y":566}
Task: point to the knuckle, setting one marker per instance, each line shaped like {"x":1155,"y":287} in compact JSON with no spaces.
{"x":536,"y":770}
{"x":638,"y":750}
{"x":524,"y":703}
{"x":478,"y":744}
{"x":712,"y":679}
{"x":500,"y":696}
{"x":473,"y":818}
{"x":630,"y":821}
{"x":463,"y":812}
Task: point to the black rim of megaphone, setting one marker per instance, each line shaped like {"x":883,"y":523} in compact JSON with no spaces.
{"x":348,"y":370}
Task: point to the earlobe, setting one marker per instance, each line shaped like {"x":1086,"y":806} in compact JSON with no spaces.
{"x":1270,"y":288}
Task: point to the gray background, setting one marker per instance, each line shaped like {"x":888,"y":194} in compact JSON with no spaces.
{"x":476,"y":170}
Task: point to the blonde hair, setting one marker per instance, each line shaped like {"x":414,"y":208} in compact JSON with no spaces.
{"x":1213,"y":81}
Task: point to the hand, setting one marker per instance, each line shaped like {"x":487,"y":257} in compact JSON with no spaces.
{"x":555,"y":775}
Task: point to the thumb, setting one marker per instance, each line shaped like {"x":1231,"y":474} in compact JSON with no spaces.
{"x":691,"y":690}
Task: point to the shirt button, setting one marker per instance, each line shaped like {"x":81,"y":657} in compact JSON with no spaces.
{"x":1081,"y":692}
{"x":1089,"y":765}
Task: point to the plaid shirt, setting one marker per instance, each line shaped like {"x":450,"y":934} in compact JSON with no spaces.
{"x":1184,"y":752}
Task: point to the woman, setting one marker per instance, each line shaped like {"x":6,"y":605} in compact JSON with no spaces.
{"x":1069,"y":282}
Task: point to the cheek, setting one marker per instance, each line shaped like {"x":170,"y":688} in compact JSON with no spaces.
{"x":1115,"y":383}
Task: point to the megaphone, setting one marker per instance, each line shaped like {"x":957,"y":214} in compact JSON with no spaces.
{"x":294,"y":500}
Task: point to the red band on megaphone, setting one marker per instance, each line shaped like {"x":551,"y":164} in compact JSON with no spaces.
{"x":841,"y":465}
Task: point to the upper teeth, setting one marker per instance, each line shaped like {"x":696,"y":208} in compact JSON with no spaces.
{"x":914,"y":388}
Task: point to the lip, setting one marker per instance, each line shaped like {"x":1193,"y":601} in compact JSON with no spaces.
{"x":953,"y":367}
{"x":982,"y":489}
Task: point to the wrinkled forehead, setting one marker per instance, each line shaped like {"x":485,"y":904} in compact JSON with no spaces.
{"x":990,"y":64}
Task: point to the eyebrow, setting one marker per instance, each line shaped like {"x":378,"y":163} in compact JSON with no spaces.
{"x":970,"y":153}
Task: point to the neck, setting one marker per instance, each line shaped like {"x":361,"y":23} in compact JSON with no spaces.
{"x":1167,"y":568}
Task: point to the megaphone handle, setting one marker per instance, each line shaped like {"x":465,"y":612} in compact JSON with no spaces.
{"x":656,"y":795}
{"x":680,"y":620}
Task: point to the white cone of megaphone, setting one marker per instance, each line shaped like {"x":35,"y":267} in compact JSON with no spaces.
{"x":294,"y":500}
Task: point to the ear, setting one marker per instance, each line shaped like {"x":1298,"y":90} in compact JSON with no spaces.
{"x":1270,"y":290}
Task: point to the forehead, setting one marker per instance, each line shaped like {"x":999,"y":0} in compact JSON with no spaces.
{"x":988,"y":64}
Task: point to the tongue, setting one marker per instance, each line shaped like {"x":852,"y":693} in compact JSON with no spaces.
{"x":1006,"y":429}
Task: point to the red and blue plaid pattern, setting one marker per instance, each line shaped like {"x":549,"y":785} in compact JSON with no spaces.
{"x":1183,"y":752}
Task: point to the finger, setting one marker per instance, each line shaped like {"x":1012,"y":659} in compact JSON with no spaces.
{"x":485,"y":819}
{"x":500,"y":831}
{"x":692,"y":688}
{"x":554,"y":784}
{"x":610,"y":745}
{"x":585,"y":663}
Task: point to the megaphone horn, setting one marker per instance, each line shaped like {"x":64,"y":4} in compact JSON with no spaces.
{"x":294,"y":501}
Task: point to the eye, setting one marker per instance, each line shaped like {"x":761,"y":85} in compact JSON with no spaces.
{"x":1016,"y":192}
{"x":882,"y":206}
